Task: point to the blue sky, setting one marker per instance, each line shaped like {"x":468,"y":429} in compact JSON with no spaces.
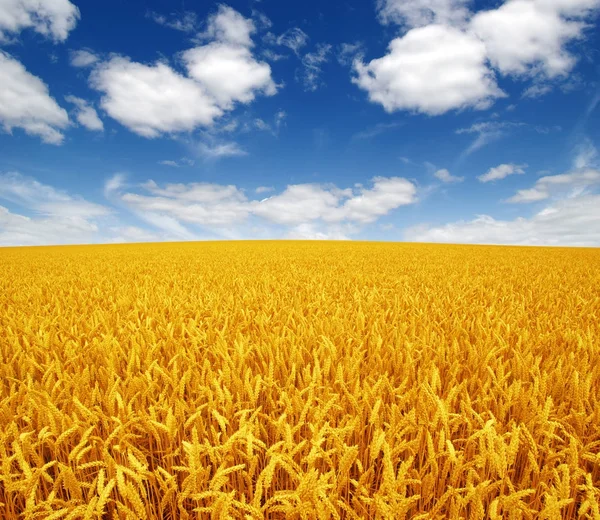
{"x":438,"y":120}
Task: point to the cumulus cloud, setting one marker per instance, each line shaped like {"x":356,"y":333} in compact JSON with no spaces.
{"x":26,"y":103}
{"x":502,"y":171}
{"x":432,"y":70}
{"x":229,"y":73}
{"x":446,"y":177}
{"x":83,"y":58}
{"x":53,"y":19}
{"x":152,"y":99}
{"x":572,"y":184}
{"x":155,"y":99}
{"x":85,"y":114}
{"x":529,"y":37}
{"x":230,"y":27}
{"x":522,"y":38}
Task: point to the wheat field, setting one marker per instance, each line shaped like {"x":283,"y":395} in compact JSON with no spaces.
{"x":299,"y":380}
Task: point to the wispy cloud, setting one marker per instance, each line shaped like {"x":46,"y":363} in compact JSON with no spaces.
{"x":487,"y":132}
{"x":184,"y":161}
{"x":218,"y":150}
{"x":502,"y":171}
{"x":312,"y":64}
{"x":184,"y":22}
{"x":446,"y":177}
{"x":375,"y":130}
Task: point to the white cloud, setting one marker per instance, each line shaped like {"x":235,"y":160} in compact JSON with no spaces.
{"x":312,"y":63}
{"x":229,"y":73}
{"x":529,"y":37}
{"x":523,"y":38}
{"x":310,"y":202}
{"x":294,"y":39}
{"x":430,"y":69}
{"x":568,"y":222}
{"x":26,"y":103}
{"x":152,"y":99}
{"x":418,"y":13}
{"x":571,"y":184}
{"x":85,"y":114}
{"x":502,"y":171}
{"x":225,"y":209}
{"x":184,"y":22}
{"x":83,"y":58}
{"x":51,"y":18}
{"x":445,"y":176}
{"x":229,"y":27}
{"x":264,"y":189}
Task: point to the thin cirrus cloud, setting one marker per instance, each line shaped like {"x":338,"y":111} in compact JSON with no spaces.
{"x":487,"y":132}
{"x":152,"y":100}
{"x":448,"y":57}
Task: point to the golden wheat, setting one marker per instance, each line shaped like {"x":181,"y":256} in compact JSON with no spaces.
{"x":299,"y":380}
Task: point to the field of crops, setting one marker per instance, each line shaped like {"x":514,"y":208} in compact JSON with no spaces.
{"x":299,"y":380}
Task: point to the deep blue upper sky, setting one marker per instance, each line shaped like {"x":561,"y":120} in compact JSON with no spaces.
{"x":441,"y":120}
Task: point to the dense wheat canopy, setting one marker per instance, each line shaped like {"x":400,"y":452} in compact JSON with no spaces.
{"x":299,"y":380}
